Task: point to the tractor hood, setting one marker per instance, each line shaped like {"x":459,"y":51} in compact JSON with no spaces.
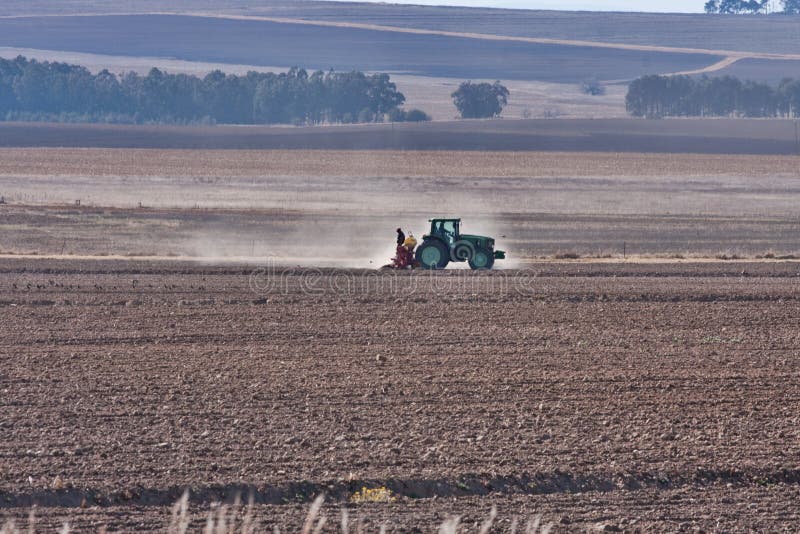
{"x":498,"y":254}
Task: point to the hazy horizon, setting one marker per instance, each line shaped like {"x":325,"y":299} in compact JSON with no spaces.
{"x":661,"y":6}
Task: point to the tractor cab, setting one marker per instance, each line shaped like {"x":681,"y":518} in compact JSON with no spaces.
{"x":446,"y":229}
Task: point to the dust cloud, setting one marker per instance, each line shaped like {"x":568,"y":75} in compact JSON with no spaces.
{"x":343,"y":242}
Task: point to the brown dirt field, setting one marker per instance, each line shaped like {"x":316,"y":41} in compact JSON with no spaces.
{"x":633,"y":395}
{"x":327,"y":238}
{"x":643,"y":397}
{"x":337,"y":208}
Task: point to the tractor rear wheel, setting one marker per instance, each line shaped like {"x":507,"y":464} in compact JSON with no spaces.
{"x":481,"y":260}
{"x":433,"y":254}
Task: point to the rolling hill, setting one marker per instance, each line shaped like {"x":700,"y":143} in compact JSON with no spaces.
{"x":428,"y":50}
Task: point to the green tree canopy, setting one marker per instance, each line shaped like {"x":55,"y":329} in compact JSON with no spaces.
{"x":791,"y":7}
{"x":734,"y":7}
{"x":727,"y":96}
{"x":480,"y":100}
{"x":32,"y":90}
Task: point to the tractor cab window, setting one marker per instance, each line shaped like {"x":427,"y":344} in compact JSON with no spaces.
{"x":447,"y":230}
{"x":450,"y":230}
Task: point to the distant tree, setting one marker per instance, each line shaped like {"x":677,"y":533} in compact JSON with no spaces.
{"x":788,"y":96}
{"x":366,"y":115}
{"x":757,"y":100}
{"x":725,"y":94}
{"x":480,"y":100}
{"x":227,"y":98}
{"x":593,"y":87}
{"x":417,"y":115}
{"x":383,"y":96}
{"x":9,"y":70}
{"x":107,"y":93}
{"x":732,"y":7}
{"x":412,"y":115}
{"x":316,"y":98}
{"x":762,"y":6}
{"x":646,"y":96}
{"x":791,"y":7}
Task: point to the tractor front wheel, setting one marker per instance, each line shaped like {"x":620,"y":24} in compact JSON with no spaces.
{"x":433,"y":255}
{"x":481,"y":260}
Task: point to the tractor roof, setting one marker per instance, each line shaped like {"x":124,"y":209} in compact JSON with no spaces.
{"x":444,"y":219}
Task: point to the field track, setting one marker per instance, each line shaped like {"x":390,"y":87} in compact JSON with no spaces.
{"x":647,"y":395}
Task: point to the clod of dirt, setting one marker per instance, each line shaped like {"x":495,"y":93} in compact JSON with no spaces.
{"x":58,"y":483}
{"x":607,"y":527}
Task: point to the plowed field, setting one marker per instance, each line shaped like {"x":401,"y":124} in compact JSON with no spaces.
{"x":652,"y":397}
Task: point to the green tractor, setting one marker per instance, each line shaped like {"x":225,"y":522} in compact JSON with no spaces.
{"x":446,"y":243}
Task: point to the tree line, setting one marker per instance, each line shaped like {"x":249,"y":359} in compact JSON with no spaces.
{"x":753,"y":7}
{"x":684,"y":96}
{"x":32,"y":90}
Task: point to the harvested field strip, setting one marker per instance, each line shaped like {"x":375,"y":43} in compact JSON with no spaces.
{"x":679,"y":136}
{"x":462,"y":486}
{"x":222,"y":166}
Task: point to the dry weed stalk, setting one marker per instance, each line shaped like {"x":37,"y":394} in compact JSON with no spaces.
{"x":180,"y":515}
{"x":313,"y":512}
{"x":487,"y":525}
{"x":222,"y":519}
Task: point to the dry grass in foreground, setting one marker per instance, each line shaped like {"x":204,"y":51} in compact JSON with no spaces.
{"x":239,"y":519}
